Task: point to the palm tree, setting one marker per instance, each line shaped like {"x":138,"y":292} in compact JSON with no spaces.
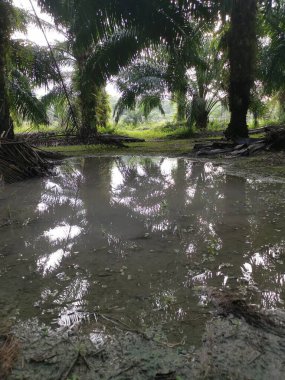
{"x":272,"y":59}
{"x":242,"y":50}
{"x":131,"y":26}
{"x":23,"y":67}
{"x":159,"y":21}
{"x":144,"y":84}
{"x":195,"y":84}
{"x":6,"y":126}
{"x":206,"y":82}
{"x":30,"y":67}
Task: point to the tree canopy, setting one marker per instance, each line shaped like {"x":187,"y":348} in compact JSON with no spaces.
{"x":199,"y":53}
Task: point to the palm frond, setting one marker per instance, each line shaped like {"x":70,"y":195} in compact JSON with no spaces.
{"x":21,"y":18}
{"x":112,"y":54}
{"x":143,"y":84}
{"x":150,"y":102}
{"x":35,"y":62}
{"x":23,"y":100}
{"x":56,"y":96}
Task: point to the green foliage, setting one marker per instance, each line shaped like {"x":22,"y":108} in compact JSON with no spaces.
{"x":154,"y":130}
{"x":157,"y":51}
{"x":141,"y":84}
{"x":25,"y":66}
{"x":35,"y":62}
{"x":102,"y":45}
{"x":103,"y":109}
{"x":23,"y":100}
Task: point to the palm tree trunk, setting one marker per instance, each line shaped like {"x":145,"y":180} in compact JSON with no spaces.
{"x":181,"y":105}
{"x":6,"y":124}
{"x":87,"y":98}
{"x":242,"y":57}
{"x":88,"y":115}
{"x":202,"y":117}
{"x":103,"y":109}
{"x":94,"y":109}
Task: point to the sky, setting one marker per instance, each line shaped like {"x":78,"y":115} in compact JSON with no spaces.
{"x":35,"y":35}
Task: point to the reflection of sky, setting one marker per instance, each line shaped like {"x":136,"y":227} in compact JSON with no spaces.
{"x":51,"y":261}
{"x":60,"y":192}
{"x":171,"y":216}
{"x":147,"y":193}
{"x":73,"y":294}
{"x":62,"y":233}
{"x":168,"y":167}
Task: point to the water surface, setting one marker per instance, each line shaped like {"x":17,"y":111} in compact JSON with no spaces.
{"x":141,"y":240}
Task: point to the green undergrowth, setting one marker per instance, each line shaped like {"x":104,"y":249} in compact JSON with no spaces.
{"x":147,"y":131}
{"x":150,"y":131}
{"x":163,"y":147}
{"x":27,"y":128}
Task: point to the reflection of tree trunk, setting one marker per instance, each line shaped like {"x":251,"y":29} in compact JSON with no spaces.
{"x":179,"y":191}
{"x":6,"y":125}
{"x":96,"y":188}
{"x":234,"y":215}
{"x":102,"y":214}
{"x":242,"y":57}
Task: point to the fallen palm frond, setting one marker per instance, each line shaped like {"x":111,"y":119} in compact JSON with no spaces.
{"x":53,"y":139}
{"x":20,"y":161}
{"x":9,"y":351}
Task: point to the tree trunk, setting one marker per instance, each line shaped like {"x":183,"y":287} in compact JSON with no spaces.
{"x":6,"y":124}
{"x":181,"y":105}
{"x":87,"y":97}
{"x":242,"y":58}
{"x":202,"y":121}
{"x":88,"y":114}
{"x":102,"y":108}
{"x":201,"y":115}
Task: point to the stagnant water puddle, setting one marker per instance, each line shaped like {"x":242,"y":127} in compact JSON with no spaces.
{"x":140,"y":242}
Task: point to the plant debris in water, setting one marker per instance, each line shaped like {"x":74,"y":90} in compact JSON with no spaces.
{"x":9,"y":351}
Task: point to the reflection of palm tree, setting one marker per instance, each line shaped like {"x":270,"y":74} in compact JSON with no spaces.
{"x":165,"y":223}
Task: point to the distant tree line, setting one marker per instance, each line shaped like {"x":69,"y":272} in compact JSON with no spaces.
{"x":202,"y":53}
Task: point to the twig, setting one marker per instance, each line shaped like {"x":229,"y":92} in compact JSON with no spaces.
{"x":65,"y":375}
{"x":123,"y":371}
{"x":85,"y":361}
{"x":123,"y":326}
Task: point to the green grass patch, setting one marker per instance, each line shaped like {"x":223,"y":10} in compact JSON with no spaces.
{"x":150,"y":131}
{"x":164,"y":148}
{"x":28,"y":128}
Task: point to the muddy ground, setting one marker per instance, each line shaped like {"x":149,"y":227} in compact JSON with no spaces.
{"x":232,"y":349}
{"x":233,"y":346}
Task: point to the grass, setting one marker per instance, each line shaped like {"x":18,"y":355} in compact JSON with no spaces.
{"x":147,"y":131}
{"x":28,"y":128}
{"x":150,"y":131}
{"x":152,"y":148}
{"x":168,"y":140}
